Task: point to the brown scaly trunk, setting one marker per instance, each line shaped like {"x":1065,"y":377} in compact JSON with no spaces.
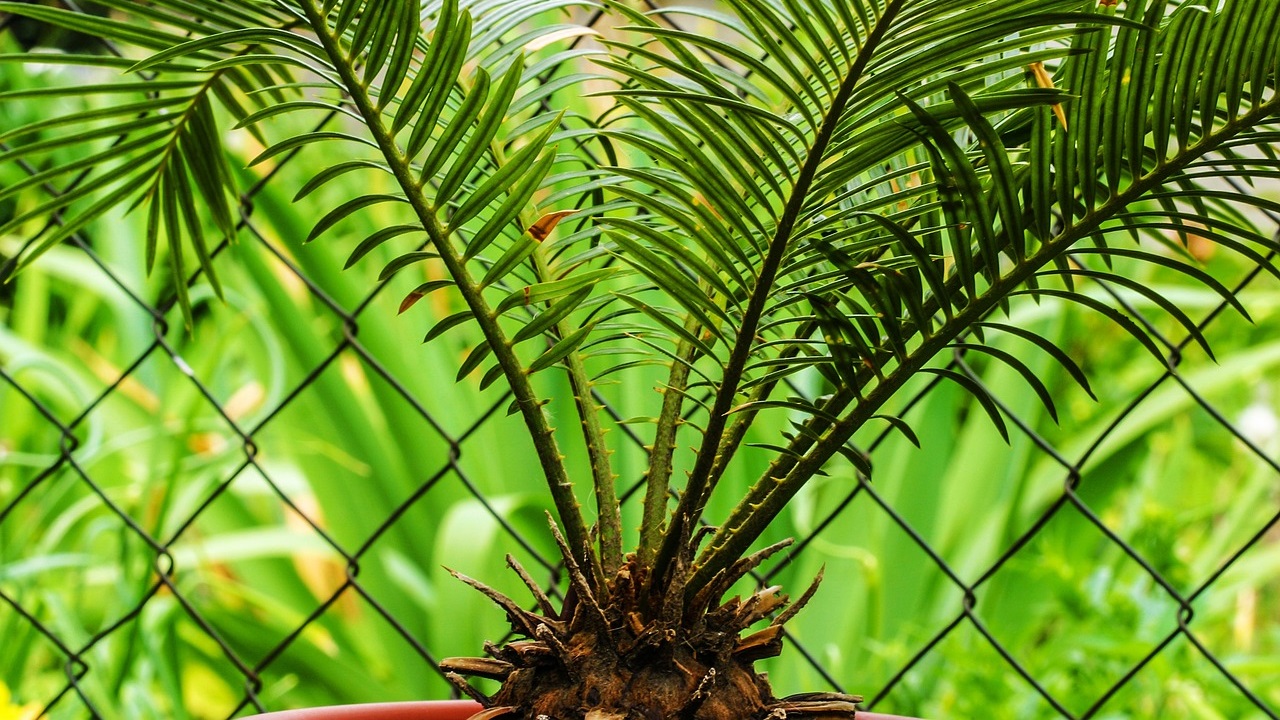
{"x":625,"y":658}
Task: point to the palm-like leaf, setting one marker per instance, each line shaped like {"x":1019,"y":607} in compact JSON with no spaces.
{"x":162,"y":143}
{"x":920,"y":184}
{"x":432,"y":102}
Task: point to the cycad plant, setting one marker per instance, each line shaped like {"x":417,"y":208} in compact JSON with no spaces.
{"x":817,"y":193}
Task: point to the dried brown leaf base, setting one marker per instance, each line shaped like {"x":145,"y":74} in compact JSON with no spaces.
{"x":632,"y":657}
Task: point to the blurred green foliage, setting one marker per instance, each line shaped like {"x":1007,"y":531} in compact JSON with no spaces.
{"x":351,"y":448}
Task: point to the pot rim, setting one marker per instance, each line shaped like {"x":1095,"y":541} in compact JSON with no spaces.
{"x":426,"y":710}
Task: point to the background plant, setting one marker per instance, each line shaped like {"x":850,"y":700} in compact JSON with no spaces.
{"x":332,"y":324}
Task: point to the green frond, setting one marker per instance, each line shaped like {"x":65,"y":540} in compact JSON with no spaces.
{"x":1008,"y":189}
{"x":833,"y":199}
{"x":165,"y":148}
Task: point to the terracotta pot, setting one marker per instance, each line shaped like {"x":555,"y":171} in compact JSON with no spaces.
{"x":425,"y":710}
{"x":428,"y":710}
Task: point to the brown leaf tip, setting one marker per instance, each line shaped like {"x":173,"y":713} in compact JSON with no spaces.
{"x":540,"y":229}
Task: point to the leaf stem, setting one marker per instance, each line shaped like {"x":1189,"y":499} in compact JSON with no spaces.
{"x":745,"y":418}
{"x":755,"y":514}
{"x":530,"y":405}
{"x":658,"y":476}
{"x":598,"y":452}
{"x":698,"y":490}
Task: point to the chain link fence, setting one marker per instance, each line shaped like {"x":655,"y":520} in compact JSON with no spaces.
{"x":68,"y":653}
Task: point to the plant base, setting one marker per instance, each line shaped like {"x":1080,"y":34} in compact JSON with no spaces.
{"x":636,"y":656}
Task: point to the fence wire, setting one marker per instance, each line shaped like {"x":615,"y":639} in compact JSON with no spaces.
{"x":67,"y":434}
